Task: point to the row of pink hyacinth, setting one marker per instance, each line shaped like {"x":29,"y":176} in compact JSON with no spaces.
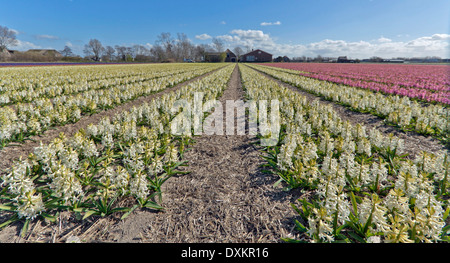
{"x":425,"y":82}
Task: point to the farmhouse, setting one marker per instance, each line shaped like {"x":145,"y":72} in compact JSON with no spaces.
{"x":226,"y":56}
{"x":256,"y":56}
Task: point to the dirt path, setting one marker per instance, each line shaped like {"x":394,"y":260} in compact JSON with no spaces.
{"x":414,"y":143}
{"x":13,"y":152}
{"x":225,"y":198}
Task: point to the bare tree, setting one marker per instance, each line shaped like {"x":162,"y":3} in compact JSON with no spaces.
{"x":7,"y":38}
{"x":183,"y":47}
{"x":140,"y":50}
{"x":121,"y":52}
{"x":67,"y":51}
{"x":109,"y":53}
{"x":238,"y":51}
{"x":95,"y":49}
{"x":141,"y":53}
{"x":201,"y":50}
{"x":167,"y":43}
{"x":218,"y":44}
{"x":158,"y":53}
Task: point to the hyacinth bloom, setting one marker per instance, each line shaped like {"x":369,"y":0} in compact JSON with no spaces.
{"x":128,"y":155}
{"x":374,"y":198}
{"x":425,"y":82}
{"x":407,"y":113}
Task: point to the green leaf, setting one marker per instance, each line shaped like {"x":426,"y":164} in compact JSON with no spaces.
{"x":300,"y":227}
{"x":7,"y":208}
{"x":278,"y":182}
{"x":49,"y":217}
{"x":12,"y":219}
{"x":25,"y":227}
{"x":296,"y":209}
{"x":89,"y":213}
{"x":153,"y":205}
{"x":291,"y":240}
{"x":79,"y":209}
{"x":129,"y":212}
{"x":356,"y":237}
{"x":354,"y":204}
{"x":445,"y":231}
{"x":446,"y":213}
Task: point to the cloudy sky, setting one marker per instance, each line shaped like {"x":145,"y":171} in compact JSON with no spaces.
{"x":356,"y":28}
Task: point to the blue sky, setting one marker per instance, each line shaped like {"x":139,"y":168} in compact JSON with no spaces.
{"x":357,"y":28}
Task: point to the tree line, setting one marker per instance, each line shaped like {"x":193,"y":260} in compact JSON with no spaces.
{"x":167,"y":48}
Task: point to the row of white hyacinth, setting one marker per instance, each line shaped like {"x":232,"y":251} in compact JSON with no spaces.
{"x":359,"y":186}
{"x":25,"y":87}
{"x":403,"y":111}
{"x":24,"y":83}
{"x":25,"y":119}
{"x":131,"y":155}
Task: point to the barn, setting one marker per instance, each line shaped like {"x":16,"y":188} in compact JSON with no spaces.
{"x":226,"y":56}
{"x":230,"y":57}
{"x":256,"y":56}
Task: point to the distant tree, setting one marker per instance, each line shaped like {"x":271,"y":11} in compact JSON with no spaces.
{"x":67,"y":52}
{"x":200,"y":52}
{"x":158,"y":53}
{"x":376,"y":59}
{"x":121,"y":52}
{"x":319,"y":58}
{"x":238,"y":51}
{"x":218,"y":44}
{"x":166,"y":41}
{"x":248,"y":48}
{"x":141,"y":53}
{"x":139,"y":50}
{"x":109,"y":53}
{"x":7,"y":38}
{"x":94,"y":49}
{"x":183,"y":47}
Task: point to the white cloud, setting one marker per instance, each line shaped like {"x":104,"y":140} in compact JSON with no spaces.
{"x":15,"y":31}
{"x":148,"y":45}
{"x":203,"y":36}
{"x":271,"y":23}
{"x":403,"y":35}
{"x":249,"y":38}
{"x":223,"y":23}
{"x":435,"y":45}
{"x":25,"y":45}
{"x":46,"y":37}
{"x":384,"y":40}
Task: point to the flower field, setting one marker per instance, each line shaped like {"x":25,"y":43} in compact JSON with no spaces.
{"x":430,"y":83}
{"x":351,"y":183}
{"x":360,"y":186}
{"x":35,"y":99}
{"x":402,"y":111}
{"x":130,"y":155}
